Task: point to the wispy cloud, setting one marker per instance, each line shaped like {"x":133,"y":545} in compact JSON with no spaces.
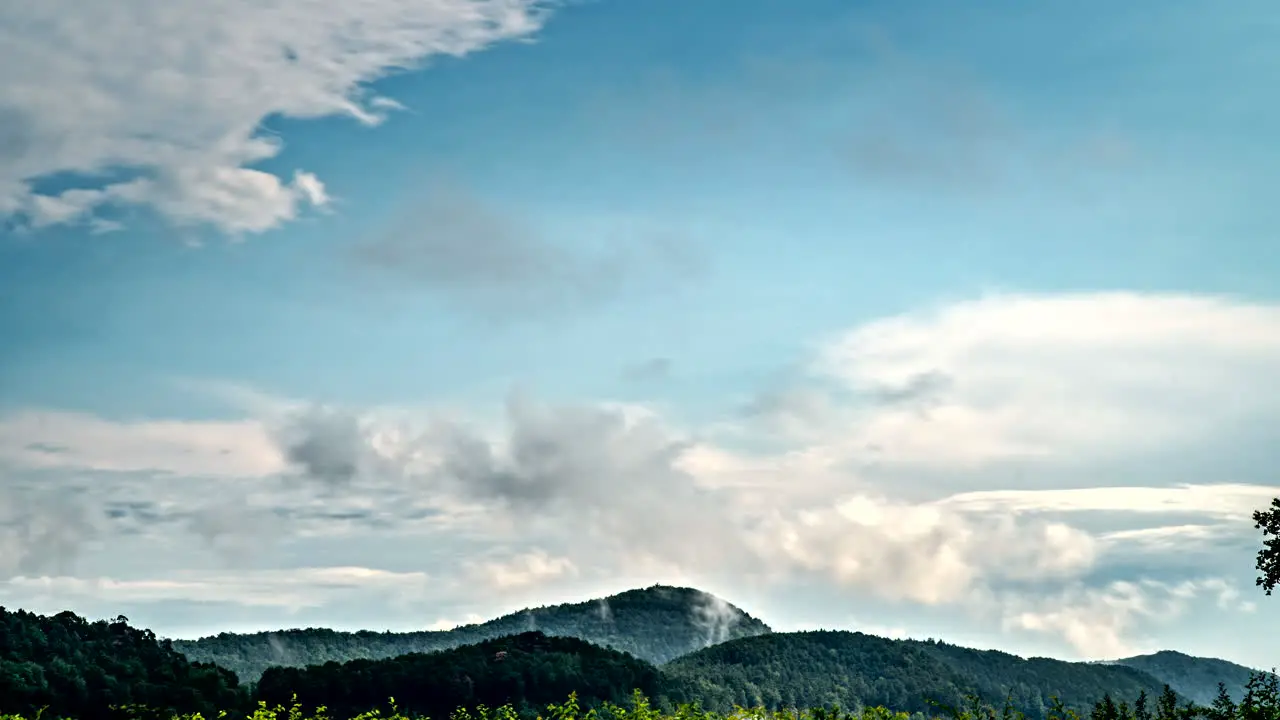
{"x":292,"y":589}
{"x":493,"y":261}
{"x":163,"y":104}
{"x":54,"y":439}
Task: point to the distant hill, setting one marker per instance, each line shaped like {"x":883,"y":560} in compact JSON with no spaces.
{"x":81,"y":669}
{"x":656,"y":624}
{"x":71,"y":667}
{"x":1193,"y":677}
{"x":850,"y":669}
{"x":529,"y":671}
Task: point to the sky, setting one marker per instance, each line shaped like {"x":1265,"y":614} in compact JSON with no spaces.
{"x":935,"y":319}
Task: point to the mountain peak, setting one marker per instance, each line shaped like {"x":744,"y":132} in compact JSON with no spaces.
{"x":658,"y":624}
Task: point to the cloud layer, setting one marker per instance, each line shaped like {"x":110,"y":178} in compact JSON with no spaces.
{"x":1017,"y":459}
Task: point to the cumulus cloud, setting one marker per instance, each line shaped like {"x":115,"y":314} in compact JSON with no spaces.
{"x":1101,"y":622}
{"x":527,"y":569}
{"x":608,"y":472}
{"x":327,"y":445}
{"x":163,"y":104}
{"x":922,"y":553}
{"x":1071,"y":377}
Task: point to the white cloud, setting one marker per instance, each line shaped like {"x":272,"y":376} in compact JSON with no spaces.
{"x":53,"y":439}
{"x":449,"y":624}
{"x":1068,"y":377}
{"x":1224,"y":501}
{"x":162,"y":103}
{"x":1101,"y":622}
{"x":924,"y":553}
{"x":291,"y":589}
{"x":528,"y":569}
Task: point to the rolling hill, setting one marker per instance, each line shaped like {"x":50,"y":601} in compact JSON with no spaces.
{"x":851,"y":669}
{"x":1196,"y":678}
{"x":674,"y":644}
{"x":656,"y":624}
{"x":528,"y":670}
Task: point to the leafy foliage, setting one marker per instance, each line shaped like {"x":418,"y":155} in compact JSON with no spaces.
{"x":1268,"y":521}
{"x":1260,"y":702}
{"x":69,"y":666}
{"x":655,"y":624}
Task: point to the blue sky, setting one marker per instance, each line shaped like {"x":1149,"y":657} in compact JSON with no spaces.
{"x":929,"y":318}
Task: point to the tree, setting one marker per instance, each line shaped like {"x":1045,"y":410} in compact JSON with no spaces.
{"x":1167,"y":705}
{"x":1268,"y":521}
{"x":1223,"y":707}
{"x":1140,"y":710}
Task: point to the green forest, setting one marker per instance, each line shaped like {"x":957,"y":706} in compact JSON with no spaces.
{"x":65,"y":666}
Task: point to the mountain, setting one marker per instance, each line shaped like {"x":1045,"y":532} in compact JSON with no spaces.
{"x":528,"y":670}
{"x":656,"y":624}
{"x":75,"y":668}
{"x":1196,"y":678}
{"x":850,"y":669}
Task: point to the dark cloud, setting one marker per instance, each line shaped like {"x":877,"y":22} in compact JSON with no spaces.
{"x":496,"y":263}
{"x":653,"y":370}
{"x":945,"y":133}
{"x":19,"y":133}
{"x":327,"y":445}
{"x":47,"y":448}
{"x":613,"y":478}
{"x":42,"y":530}
{"x":807,"y":405}
{"x":921,"y":389}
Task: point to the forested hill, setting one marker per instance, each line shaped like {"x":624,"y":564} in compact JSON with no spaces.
{"x":75,"y":668}
{"x":852,"y":669}
{"x":656,"y":624}
{"x":1194,"y":677}
{"x":529,"y":671}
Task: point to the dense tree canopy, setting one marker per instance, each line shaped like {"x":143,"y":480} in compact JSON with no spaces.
{"x":74,"y":667}
{"x":528,"y":671}
{"x":1196,"y":678}
{"x":1268,"y":521}
{"x":852,"y":669}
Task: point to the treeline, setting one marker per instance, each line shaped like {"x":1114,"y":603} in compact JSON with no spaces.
{"x":1258,"y":703}
{"x":71,"y":667}
{"x":65,"y":666}
{"x":1261,"y":701}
